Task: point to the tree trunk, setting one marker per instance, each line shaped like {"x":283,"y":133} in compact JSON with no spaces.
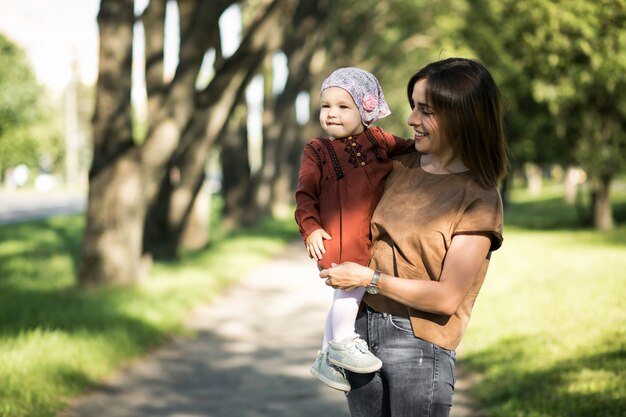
{"x":162,"y":231}
{"x":287,"y":166}
{"x":114,"y":220}
{"x":281,"y":131}
{"x":238,"y":188}
{"x":215,"y":105}
{"x":124,"y":176}
{"x":602,"y":211}
{"x":574,"y":178}
{"x":196,"y":234}
{"x":534,"y":178}
{"x":111,"y":252}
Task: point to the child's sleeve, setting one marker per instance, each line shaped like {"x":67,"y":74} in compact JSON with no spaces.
{"x":396,"y":145}
{"x":308,"y":193}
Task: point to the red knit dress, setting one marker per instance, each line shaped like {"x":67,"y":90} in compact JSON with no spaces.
{"x":339,"y":185}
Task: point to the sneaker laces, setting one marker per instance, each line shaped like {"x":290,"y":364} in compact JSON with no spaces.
{"x":361,"y":345}
{"x":337,"y":369}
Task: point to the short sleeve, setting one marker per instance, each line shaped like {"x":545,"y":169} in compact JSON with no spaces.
{"x":483,"y":215}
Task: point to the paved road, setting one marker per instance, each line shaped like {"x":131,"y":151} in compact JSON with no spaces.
{"x":250,"y":358}
{"x":17,"y":206}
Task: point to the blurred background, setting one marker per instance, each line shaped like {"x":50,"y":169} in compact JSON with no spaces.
{"x":173,"y":126}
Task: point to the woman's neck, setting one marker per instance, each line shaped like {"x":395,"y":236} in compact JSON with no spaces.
{"x":442,"y":164}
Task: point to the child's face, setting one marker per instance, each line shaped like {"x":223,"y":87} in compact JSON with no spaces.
{"x":339,"y":115}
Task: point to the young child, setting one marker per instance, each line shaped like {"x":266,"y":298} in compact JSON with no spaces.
{"x":340,"y":182}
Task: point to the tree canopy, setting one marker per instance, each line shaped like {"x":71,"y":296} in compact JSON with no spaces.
{"x":559,"y":66}
{"x":19,"y":106}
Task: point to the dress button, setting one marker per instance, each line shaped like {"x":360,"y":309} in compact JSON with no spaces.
{"x":358,"y":154}
{"x":362,"y":163}
{"x":353,"y":144}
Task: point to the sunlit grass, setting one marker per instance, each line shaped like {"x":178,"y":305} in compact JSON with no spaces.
{"x":548,"y":333}
{"x":56,"y":340}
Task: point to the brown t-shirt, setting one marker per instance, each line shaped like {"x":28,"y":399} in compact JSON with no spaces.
{"x":412,"y":227}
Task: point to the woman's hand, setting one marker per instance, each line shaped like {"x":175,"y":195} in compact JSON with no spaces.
{"x":315,"y":243}
{"x":347,"y":276}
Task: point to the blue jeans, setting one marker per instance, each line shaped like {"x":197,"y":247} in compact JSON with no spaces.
{"x":416,"y":380}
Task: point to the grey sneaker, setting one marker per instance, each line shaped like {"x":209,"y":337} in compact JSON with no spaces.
{"x":329,"y":374}
{"x":352,"y":354}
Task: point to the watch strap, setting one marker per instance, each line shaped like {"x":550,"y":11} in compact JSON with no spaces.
{"x":375,"y":278}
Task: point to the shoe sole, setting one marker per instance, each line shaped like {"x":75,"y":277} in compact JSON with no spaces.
{"x":368,"y":370}
{"x":336,"y":385}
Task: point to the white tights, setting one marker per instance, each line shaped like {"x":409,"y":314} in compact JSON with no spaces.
{"x":341,"y":316}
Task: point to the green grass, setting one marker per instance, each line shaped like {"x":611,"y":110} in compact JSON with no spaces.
{"x":57,"y":341}
{"x":548,"y":334}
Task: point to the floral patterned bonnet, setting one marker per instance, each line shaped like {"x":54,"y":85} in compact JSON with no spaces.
{"x":364,"y":89}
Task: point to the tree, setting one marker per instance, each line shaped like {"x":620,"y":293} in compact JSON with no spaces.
{"x":127,"y":177}
{"x":562,"y":65}
{"x":213,"y":107}
{"x":20,"y":107}
{"x":282,"y":137}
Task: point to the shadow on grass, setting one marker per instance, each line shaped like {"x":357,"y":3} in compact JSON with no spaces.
{"x":567,"y":389}
{"x":37,"y":283}
{"x":27,"y":249}
{"x":548,"y":214}
{"x":554,"y":214}
{"x":38,"y":296}
{"x":71,"y":311}
{"x":38,"y":289}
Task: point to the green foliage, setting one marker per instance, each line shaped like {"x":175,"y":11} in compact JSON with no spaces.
{"x":548,"y":333}
{"x":559,"y":64}
{"x":564,"y":60}
{"x":393,"y":39}
{"x":18,"y":88}
{"x":19,"y":106}
{"x":57,"y":341}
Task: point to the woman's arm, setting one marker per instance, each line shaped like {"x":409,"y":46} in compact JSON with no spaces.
{"x":462,"y":264}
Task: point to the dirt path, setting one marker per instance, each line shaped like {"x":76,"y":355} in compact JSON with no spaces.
{"x":250,"y":358}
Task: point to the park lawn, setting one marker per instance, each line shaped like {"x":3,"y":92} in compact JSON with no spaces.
{"x":548,"y":333}
{"x":56,"y":341}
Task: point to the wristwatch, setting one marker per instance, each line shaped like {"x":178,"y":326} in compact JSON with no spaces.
{"x":372,"y":287}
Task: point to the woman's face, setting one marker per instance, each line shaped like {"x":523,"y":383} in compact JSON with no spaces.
{"x":423,"y":120}
{"x":339,"y":115}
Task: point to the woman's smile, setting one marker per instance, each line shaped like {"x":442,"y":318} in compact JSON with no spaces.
{"x":420,"y":135}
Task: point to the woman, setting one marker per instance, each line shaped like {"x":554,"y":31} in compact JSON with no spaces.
{"x":433,"y":231}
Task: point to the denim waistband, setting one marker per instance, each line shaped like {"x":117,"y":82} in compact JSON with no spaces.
{"x":386,"y":314}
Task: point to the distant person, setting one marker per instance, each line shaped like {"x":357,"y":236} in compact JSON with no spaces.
{"x":341,"y":179}
{"x":433,"y":232}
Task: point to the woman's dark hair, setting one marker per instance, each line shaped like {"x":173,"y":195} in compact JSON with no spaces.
{"x":467,"y":105}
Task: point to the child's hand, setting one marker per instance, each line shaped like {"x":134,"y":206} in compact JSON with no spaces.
{"x":315,"y":243}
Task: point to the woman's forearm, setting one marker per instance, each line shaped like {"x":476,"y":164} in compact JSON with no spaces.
{"x":464,"y":259}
